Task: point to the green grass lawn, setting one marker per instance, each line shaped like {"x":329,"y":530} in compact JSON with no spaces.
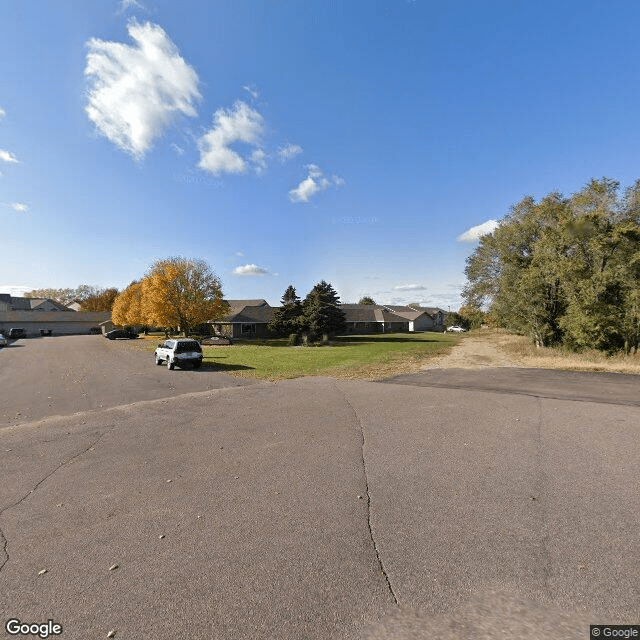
{"x":367,"y":357}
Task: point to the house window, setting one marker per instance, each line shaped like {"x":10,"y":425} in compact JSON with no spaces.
{"x":248,"y":329}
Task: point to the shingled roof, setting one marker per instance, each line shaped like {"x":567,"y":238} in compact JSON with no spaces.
{"x":258,"y":311}
{"x":15,"y":303}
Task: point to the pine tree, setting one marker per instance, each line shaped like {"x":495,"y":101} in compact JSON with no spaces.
{"x":322,"y":313}
{"x":286,"y":320}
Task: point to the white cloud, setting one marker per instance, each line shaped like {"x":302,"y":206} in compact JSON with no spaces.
{"x":7,"y":156}
{"x":241,"y":123}
{"x":409,"y":287}
{"x":177,"y":148}
{"x":288,"y":151}
{"x":473,"y":234}
{"x":137,"y":91}
{"x":239,"y":254}
{"x":252,"y":90}
{"x":3,"y":113}
{"x":17,"y":291}
{"x":250,"y":270}
{"x":20,"y":207}
{"x":312,"y":184}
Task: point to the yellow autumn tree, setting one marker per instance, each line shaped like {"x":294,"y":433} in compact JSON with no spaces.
{"x":127,"y":307}
{"x":181,"y":293}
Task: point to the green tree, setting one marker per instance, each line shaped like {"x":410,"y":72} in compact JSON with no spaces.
{"x":322,"y":313}
{"x":564,"y":270}
{"x":286,"y":319}
{"x":366,"y":300}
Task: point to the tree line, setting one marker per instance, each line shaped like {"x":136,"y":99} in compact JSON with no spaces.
{"x":564,"y":270}
{"x":89,"y":297}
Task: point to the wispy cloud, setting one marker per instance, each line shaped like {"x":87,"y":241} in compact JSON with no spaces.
{"x":251,"y":270}
{"x":241,"y":123}
{"x":136,"y":91}
{"x":251,"y":89}
{"x":7,"y":156}
{"x":20,"y":207}
{"x":177,"y":148}
{"x":409,"y":287}
{"x":475,"y":233}
{"x":288,"y":151}
{"x":259,"y":160}
{"x":314,"y":183}
{"x":125,"y":5}
{"x":3,"y":113}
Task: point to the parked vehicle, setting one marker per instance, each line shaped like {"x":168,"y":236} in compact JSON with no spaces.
{"x":129,"y":334}
{"x":16,"y":333}
{"x":456,"y":329}
{"x":3,"y":341}
{"x":182,"y":352}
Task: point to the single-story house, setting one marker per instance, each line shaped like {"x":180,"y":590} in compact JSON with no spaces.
{"x":369,"y":318}
{"x":420,"y":318}
{"x":249,"y":319}
{"x":246,"y":319}
{"x":42,"y":316}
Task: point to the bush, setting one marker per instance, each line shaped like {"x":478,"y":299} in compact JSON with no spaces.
{"x":293,"y":339}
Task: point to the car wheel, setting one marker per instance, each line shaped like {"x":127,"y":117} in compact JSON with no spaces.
{"x":170,"y":365}
{"x":158,"y":361}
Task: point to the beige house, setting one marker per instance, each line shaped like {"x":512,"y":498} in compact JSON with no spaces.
{"x":41,"y":316}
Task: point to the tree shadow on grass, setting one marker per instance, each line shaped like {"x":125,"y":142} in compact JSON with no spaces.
{"x":221,"y":366}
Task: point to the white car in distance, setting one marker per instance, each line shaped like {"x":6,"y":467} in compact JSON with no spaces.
{"x":456,"y":329}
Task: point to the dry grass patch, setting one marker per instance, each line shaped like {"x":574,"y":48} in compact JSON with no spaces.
{"x":520,"y":349}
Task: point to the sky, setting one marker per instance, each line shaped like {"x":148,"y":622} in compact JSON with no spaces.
{"x":367,"y":143}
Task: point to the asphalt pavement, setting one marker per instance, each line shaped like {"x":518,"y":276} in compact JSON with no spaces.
{"x":312,"y":508}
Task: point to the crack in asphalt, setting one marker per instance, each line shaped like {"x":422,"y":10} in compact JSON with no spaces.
{"x":5,"y":542}
{"x":366,"y":482}
{"x":539,"y":489}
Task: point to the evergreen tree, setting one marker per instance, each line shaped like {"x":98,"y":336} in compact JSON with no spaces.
{"x":286,"y":320}
{"x":366,"y":300}
{"x":322,"y":313}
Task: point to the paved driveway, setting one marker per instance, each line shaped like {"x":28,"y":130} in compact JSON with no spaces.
{"x":62,"y":375}
{"x":317,"y":508}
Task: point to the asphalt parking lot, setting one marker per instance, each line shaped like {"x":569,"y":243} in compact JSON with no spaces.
{"x":196,"y":505}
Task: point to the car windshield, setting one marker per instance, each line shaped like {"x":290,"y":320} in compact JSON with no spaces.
{"x":191,"y":345}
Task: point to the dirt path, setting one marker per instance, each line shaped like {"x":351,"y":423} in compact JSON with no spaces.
{"x":474,"y":352}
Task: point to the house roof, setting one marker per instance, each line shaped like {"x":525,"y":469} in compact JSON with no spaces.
{"x":359,"y":312}
{"x":412,"y":312}
{"x":258,"y":311}
{"x":238,"y":305}
{"x":384,"y":315}
{"x":31,"y":304}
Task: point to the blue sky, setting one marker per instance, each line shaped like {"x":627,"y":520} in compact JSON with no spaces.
{"x":286,"y":142}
